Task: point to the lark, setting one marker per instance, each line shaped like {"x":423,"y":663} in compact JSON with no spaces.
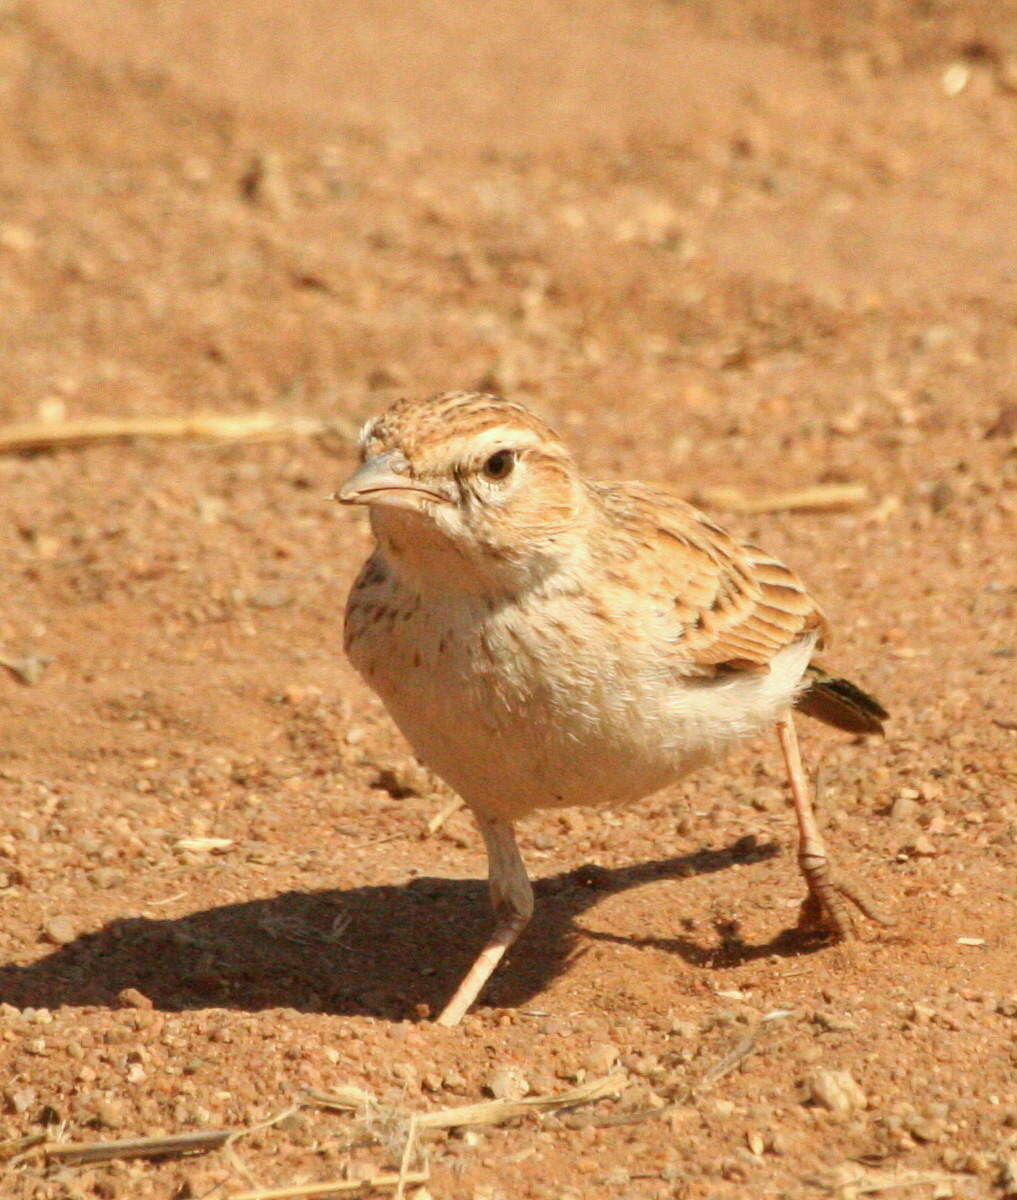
{"x":542,"y":640}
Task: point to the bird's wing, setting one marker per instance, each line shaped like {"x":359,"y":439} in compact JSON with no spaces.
{"x":735,"y":605}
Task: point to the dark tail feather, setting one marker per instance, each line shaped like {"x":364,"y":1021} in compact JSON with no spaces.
{"x":839,"y":703}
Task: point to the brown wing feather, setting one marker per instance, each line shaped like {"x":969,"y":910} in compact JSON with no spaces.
{"x":737,"y":605}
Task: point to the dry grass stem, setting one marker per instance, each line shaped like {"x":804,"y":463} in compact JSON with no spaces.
{"x":822,"y":497}
{"x":14,"y":1148}
{"x":734,"y":1057}
{"x":300,"y":1191}
{"x":225,"y":427}
{"x":850,"y":1180}
{"x":152,"y":1147}
{"x":345,"y":1098}
{"x":229,"y":1147}
{"x":443,"y":814}
{"x":494,"y":1112}
{"x":404,"y":1165}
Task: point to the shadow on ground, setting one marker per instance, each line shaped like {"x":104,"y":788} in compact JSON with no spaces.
{"x":378,"y":951}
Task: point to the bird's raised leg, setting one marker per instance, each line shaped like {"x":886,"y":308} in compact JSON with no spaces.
{"x":512,"y":899}
{"x":824,"y":906}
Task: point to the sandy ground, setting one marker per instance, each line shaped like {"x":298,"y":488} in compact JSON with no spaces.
{"x":725,"y":243}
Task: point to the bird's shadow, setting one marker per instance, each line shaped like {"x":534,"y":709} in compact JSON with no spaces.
{"x":379,"y":951}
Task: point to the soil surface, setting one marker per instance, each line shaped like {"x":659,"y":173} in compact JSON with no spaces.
{"x":725,"y":243}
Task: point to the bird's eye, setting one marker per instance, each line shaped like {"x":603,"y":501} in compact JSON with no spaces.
{"x":500,"y":464}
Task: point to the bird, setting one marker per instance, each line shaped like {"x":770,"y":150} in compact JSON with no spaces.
{"x":542,"y":640}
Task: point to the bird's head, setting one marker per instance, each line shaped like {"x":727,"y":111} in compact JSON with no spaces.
{"x":469,"y":483}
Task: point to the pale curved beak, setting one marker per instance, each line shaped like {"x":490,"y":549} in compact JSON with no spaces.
{"x":385,"y":479}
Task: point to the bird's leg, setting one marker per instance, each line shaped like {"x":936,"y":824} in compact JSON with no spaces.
{"x":512,"y":899}
{"x":824,"y":906}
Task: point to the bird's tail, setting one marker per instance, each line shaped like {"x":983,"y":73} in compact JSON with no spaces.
{"x":840,"y":703}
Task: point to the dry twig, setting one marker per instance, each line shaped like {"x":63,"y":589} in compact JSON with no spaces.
{"x":303,"y":1191}
{"x":494,"y":1112}
{"x":443,"y":814}
{"x":852,"y":1179}
{"x":224,"y":427}
{"x":15,"y":1147}
{"x":151,"y":1147}
{"x":822,"y":497}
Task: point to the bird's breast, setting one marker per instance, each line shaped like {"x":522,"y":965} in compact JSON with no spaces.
{"x":535,"y":704}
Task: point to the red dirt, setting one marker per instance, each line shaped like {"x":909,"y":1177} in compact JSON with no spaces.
{"x":726,"y":243}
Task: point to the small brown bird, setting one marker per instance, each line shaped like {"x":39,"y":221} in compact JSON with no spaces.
{"x":545,"y":641}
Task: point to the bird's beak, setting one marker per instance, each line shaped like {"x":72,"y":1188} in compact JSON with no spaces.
{"x":385,"y":479}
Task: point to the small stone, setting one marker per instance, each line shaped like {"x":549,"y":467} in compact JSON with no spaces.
{"x":268,"y":597}
{"x":926,"y":1129}
{"x":956,"y":78}
{"x":264,"y":182}
{"x":686,"y":1029}
{"x":19,"y":1100}
{"x":506,"y":1083}
{"x":105,"y":877}
{"x":903,"y":809}
{"x":601,"y":1058}
{"x":110,"y":1113}
{"x":920,"y":1013}
{"x":831,"y":1023}
{"x":59,"y":930}
{"x":922,"y":847}
{"x":754,"y":1140}
{"x":776,"y":1142}
{"x":131,"y":998}
{"x":404,"y":777}
{"x":836,"y":1091}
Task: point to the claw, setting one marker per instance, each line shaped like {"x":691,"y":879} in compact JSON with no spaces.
{"x":824,"y":907}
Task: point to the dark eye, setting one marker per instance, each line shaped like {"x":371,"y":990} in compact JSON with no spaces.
{"x":500,"y":464}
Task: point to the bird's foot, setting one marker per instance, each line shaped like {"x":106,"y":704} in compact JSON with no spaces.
{"x":824,"y":909}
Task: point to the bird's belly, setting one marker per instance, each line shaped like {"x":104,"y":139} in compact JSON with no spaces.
{"x":513,"y":723}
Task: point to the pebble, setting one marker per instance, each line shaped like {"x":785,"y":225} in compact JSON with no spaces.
{"x":903,"y":809}
{"x":19,"y":1100}
{"x":106,"y":877}
{"x":264,"y":182}
{"x":269,"y":597}
{"x":131,"y":998}
{"x":601,"y":1058}
{"x":59,"y":930}
{"x":921,"y":847}
{"x":110,"y":1113}
{"x":506,"y":1083}
{"x":920,"y":1013}
{"x":836,"y":1091}
{"x":926,"y":1129}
